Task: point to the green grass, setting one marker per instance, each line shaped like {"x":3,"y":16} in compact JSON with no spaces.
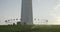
{"x":29,"y":28}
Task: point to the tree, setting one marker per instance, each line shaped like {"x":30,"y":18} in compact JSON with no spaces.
{"x":6,"y":21}
{"x":16,"y":19}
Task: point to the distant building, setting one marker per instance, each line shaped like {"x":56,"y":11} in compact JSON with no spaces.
{"x":12,"y":21}
{"x":18,"y":23}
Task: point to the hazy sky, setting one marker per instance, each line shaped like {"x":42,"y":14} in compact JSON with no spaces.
{"x":42,"y":9}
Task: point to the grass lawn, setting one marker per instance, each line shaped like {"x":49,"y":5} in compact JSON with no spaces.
{"x":29,"y":28}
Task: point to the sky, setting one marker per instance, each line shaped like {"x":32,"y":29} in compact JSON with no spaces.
{"x":42,"y":9}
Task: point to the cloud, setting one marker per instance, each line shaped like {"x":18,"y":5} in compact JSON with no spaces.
{"x":53,"y":15}
{"x":55,"y":18}
{"x":57,"y":6}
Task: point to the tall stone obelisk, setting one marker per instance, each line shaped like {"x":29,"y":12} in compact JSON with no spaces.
{"x":26,"y":12}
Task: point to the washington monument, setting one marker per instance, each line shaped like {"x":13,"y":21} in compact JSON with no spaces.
{"x":26,"y":12}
